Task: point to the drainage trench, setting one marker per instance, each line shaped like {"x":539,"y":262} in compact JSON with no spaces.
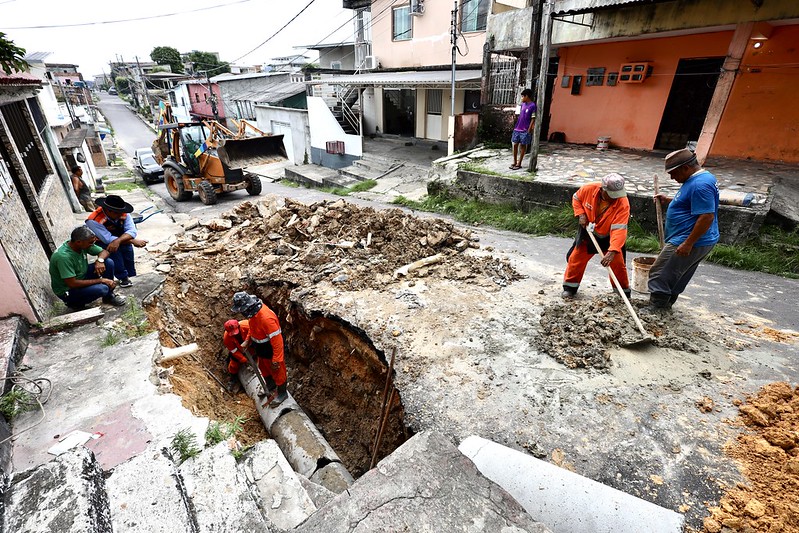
{"x":335,"y":373}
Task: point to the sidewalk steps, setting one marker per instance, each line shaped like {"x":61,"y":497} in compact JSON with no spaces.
{"x":318,"y":176}
{"x":66,"y":494}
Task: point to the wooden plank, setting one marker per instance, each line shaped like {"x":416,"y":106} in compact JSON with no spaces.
{"x":70,"y":320}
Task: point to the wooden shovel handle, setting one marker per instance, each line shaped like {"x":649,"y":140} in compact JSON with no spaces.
{"x":659,"y":212}
{"x":618,"y":286}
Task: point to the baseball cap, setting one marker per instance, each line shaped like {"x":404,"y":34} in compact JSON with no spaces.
{"x":613,"y":184}
{"x":232,"y":327}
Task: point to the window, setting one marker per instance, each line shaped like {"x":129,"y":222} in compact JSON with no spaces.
{"x":434,"y":99}
{"x":335,"y":65}
{"x":197,"y":97}
{"x":474,"y":14}
{"x":26,"y":142}
{"x":402,"y":24}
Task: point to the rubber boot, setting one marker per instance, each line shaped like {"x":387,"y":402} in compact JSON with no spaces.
{"x":281,"y":397}
{"x":270,"y":386}
{"x":568,"y":292}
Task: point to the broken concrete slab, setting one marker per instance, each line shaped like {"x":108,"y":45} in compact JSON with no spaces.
{"x":219,"y":494}
{"x":145,"y":494}
{"x":318,"y":494}
{"x":78,"y":318}
{"x":284,"y":499}
{"x":563,"y":500}
{"x":425,"y":485}
{"x":65,"y":494}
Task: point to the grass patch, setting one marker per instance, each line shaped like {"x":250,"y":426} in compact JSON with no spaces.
{"x":184,"y":445}
{"x":289,"y":183}
{"x":111,"y":338}
{"x":126,"y":186}
{"x":361,"y":186}
{"x":471,"y":166}
{"x":773,"y":251}
{"x":222,"y":431}
{"x":15,"y":402}
{"x":135,"y":320}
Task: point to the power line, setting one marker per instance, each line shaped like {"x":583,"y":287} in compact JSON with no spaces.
{"x":278,"y":31}
{"x":98,"y":23}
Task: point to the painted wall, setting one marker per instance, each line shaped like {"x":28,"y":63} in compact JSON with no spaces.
{"x":300,"y":128}
{"x":672,"y":16}
{"x":14,"y":301}
{"x":324,"y":128}
{"x":629,"y":113}
{"x":761,"y":119}
{"x":203,"y":107}
{"x":430,"y":43}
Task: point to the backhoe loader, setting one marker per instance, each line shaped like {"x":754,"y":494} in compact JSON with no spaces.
{"x":207,"y":158}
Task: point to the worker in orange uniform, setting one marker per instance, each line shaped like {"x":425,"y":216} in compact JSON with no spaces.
{"x":266,"y":338}
{"x":605,"y":205}
{"x":233,"y":338}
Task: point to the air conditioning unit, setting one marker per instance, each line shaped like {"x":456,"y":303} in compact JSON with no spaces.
{"x":417,"y":8}
{"x":370,"y":62}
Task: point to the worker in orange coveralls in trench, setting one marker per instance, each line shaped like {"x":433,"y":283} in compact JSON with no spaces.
{"x":605,"y":205}
{"x":235,"y":333}
{"x":265,"y":335}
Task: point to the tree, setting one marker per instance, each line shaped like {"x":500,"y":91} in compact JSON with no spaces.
{"x":207,"y":61}
{"x":122,"y":84}
{"x":11,"y":55}
{"x":166,"y":55}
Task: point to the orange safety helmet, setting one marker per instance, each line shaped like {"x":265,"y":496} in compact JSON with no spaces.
{"x":232,"y":327}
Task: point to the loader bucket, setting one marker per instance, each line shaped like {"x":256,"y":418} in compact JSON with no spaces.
{"x":242,"y":153}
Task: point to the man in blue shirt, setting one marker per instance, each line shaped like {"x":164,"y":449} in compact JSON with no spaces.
{"x":116,"y":233}
{"x":692,"y":229}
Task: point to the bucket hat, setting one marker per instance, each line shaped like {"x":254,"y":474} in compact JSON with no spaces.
{"x":679,"y":158}
{"x":113,"y":202}
{"x":245,"y":303}
{"x":613,"y":184}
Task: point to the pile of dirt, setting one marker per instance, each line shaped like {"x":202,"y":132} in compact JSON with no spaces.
{"x":769,"y":459}
{"x":353,"y":247}
{"x":579,"y":333}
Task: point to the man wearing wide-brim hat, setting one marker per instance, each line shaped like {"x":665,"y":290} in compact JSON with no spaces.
{"x":116,"y":232}
{"x":692,"y":229}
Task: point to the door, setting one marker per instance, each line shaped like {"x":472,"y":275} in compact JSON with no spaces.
{"x":433,"y":122}
{"x":399,"y":111}
{"x":688,"y":102}
{"x":284,"y":129}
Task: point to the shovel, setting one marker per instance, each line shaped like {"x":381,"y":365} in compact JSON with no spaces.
{"x":659,"y":212}
{"x":646,"y":338}
{"x":257,"y":371}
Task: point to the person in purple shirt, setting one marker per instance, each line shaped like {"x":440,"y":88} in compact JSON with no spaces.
{"x":523,"y":132}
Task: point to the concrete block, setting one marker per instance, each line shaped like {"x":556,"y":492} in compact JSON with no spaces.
{"x":563,"y":500}
{"x":65,"y":494}
{"x":59,"y":323}
{"x":425,"y":485}
{"x":283,"y":499}
{"x":318,"y":494}
{"x":219,"y":494}
{"x":145,"y":494}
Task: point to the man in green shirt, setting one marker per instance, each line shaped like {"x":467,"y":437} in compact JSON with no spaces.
{"x":74,"y":280}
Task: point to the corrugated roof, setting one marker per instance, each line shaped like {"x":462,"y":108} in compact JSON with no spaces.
{"x":232,"y":77}
{"x":573,"y":7}
{"x":324,"y":46}
{"x":19,"y":79}
{"x":276,"y":92}
{"x":411,"y":78}
{"x":74,"y":138}
{"x":37,"y":57}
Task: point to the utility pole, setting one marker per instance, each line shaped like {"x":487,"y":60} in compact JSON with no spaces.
{"x":535,"y":38}
{"x":451,"y":121}
{"x":546,"y":40}
{"x":144,"y":85}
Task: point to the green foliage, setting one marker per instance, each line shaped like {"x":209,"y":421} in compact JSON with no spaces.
{"x":221,"y":431}
{"x":166,"y":55}
{"x":11,"y":55}
{"x":122,"y":83}
{"x":135,"y":319}
{"x":111,"y":338}
{"x":123,"y":186}
{"x":238,"y":453}
{"x":345,"y":191}
{"x":206,"y":61}
{"x":184,"y":445}
{"x":495,"y":127}
{"x":15,"y":402}
{"x":774,"y":250}
{"x":476,"y":167}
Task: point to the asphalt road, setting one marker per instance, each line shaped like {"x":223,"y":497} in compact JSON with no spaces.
{"x":130,"y":131}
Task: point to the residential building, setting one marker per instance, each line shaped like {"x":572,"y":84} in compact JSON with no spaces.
{"x":662,"y":75}
{"x":191,"y":100}
{"x":240,"y":93}
{"x":287,"y":63}
{"x":333,"y":56}
{"x":35,"y":212}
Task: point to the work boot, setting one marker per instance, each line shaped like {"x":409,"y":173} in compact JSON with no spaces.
{"x":232,"y":384}
{"x":114,"y":299}
{"x":281,"y":397}
{"x":627,"y":292}
{"x":658,"y":303}
{"x":568,"y":293}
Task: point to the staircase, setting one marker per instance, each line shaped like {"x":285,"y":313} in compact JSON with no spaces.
{"x":343,"y":103}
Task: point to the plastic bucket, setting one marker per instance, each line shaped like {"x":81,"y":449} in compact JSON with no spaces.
{"x":641,"y":267}
{"x":602,"y":143}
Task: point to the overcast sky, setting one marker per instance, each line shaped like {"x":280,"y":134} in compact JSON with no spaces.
{"x":232,"y":30}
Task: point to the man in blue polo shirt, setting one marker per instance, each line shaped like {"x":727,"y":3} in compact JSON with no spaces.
{"x":692,"y":229}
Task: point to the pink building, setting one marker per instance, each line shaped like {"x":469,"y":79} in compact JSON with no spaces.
{"x":200,"y":100}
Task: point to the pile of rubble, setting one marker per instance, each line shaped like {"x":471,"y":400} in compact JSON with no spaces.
{"x":354,"y":247}
{"x":579,"y":334}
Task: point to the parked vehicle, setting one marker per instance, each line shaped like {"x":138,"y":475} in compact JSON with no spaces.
{"x":145,"y":164}
{"x":112,"y":91}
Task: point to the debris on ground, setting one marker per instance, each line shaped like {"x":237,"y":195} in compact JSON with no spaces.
{"x":769,"y":458}
{"x":580,"y":333}
{"x":353,"y":247}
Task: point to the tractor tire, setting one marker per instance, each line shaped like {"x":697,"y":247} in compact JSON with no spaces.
{"x":206,"y":192}
{"x":174,"y":185}
{"x":254,"y":185}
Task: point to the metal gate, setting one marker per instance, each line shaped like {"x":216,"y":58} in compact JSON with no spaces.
{"x":25,"y":142}
{"x":504,"y":79}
